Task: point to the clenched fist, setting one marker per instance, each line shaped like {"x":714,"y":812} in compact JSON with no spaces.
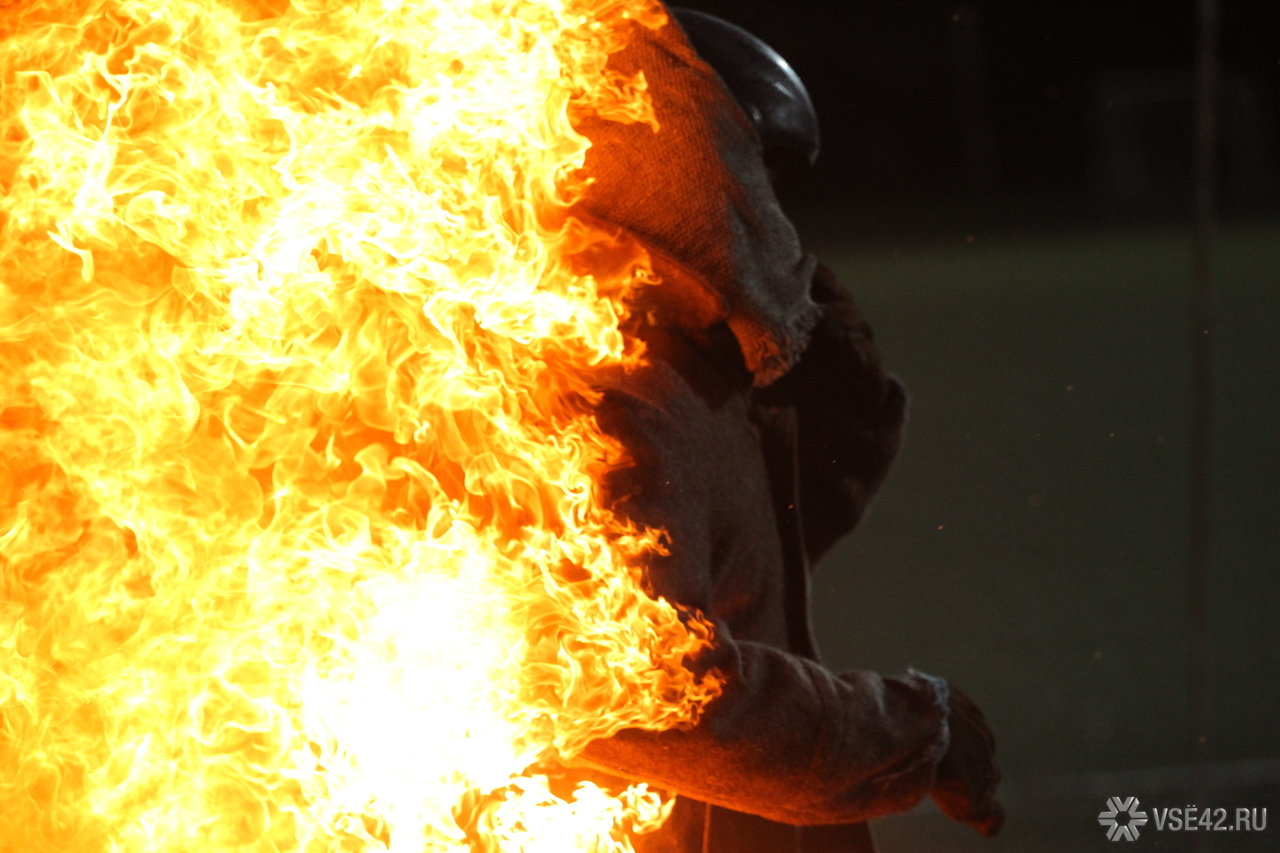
{"x":968,"y":774}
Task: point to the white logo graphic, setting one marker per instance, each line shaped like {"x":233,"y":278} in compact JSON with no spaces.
{"x":1117,"y":830}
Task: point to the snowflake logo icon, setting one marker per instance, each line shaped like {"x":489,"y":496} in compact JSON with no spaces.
{"x":1117,"y":830}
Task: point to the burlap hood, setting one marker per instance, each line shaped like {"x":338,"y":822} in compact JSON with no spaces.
{"x":696,"y":193}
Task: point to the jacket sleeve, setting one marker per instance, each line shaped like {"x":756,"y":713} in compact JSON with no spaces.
{"x":850,"y":417}
{"x":788,"y":739}
{"x":792,"y":742}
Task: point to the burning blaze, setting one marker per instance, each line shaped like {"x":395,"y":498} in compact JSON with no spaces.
{"x":302,"y":545}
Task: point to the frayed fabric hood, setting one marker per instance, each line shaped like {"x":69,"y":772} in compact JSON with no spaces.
{"x":697,"y":195}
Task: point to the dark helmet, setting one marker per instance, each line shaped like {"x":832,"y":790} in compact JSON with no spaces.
{"x":766,"y":88}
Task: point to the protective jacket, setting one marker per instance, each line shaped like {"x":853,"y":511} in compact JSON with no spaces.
{"x":759,"y":431}
{"x":792,"y":757}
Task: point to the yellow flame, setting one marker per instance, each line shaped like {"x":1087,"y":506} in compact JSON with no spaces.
{"x":301,"y":539}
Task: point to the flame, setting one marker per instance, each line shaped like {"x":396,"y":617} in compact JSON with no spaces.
{"x":302,"y":545}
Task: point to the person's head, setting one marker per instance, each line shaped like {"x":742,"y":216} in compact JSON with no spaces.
{"x":696,"y":193}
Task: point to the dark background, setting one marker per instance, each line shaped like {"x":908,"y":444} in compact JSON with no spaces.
{"x":1006,"y":188}
{"x":946,"y":101}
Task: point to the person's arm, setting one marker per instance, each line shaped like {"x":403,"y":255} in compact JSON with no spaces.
{"x":850,"y":416}
{"x":788,"y":739}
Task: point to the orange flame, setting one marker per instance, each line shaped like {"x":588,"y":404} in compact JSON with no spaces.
{"x":301,"y":539}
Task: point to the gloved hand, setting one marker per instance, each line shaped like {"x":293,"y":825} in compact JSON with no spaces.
{"x":968,"y":774}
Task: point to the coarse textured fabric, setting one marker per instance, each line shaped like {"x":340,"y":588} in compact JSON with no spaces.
{"x":696,"y":193}
{"x":792,"y":757}
{"x":759,"y":431}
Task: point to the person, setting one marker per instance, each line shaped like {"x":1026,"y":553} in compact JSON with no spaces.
{"x":759,"y":430}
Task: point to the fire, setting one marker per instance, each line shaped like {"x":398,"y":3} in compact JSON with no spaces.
{"x":302,"y":545}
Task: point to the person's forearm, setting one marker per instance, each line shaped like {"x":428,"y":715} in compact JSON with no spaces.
{"x":793,"y":742}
